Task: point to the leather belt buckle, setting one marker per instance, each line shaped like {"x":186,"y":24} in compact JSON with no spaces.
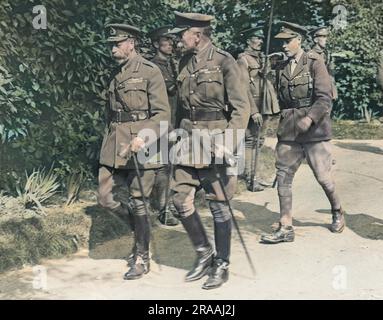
{"x":133,"y":117}
{"x":118,"y":116}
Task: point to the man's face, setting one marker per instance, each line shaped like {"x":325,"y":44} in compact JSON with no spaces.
{"x":121,"y":50}
{"x":190,"y":39}
{"x":321,"y":41}
{"x":255,"y":43}
{"x":165,"y":45}
{"x":292,"y":46}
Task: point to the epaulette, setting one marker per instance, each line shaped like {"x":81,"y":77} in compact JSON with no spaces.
{"x":224,"y":53}
{"x":241,"y":55}
{"x":313,"y":55}
{"x":148,"y":63}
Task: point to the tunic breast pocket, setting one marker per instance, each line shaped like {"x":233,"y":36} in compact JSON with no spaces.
{"x":133,"y":92}
{"x":301,"y":87}
{"x":210,"y":84}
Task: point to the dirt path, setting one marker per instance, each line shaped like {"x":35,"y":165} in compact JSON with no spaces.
{"x":318,"y":265}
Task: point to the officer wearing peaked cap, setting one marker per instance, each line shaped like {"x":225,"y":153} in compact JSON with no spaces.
{"x":137,"y":101}
{"x":304,"y":131}
{"x":251,"y":63}
{"x":213,"y":102}
{"x":163,"y":43}
{"x":319,"y":36}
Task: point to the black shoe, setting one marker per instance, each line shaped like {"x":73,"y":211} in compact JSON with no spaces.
{"x":167,"y":218}
{"x":254,"y":186}
{"x":138,"y":267}
{"x":282,"y":234}
{"x":338,"y":222}
{"x":219,"y":274}
{"x":202,"y":265}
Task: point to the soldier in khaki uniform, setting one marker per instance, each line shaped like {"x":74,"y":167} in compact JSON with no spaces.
{"x":212,"y":99}
{"x":137,"y":100}
{"x":304,"y":92}
{"x":163,"y":43}
{"x":251,"y":63}
{"x":319,"y":36}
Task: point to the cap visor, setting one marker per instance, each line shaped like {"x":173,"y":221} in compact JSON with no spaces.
{"x":283,"y":35}
{"x":116,"y":39}
{"x":177,"y":30}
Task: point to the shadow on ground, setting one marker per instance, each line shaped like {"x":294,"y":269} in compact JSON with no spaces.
{"x":109,"y":238}
{"x":359,"y":147}
{"x":259,"y":219}
{"x":363,"y":225}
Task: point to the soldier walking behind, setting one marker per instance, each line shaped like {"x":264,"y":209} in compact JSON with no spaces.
{"x":304,"y":92}
{"x":163,"y":43}
{"x":251,"y":63}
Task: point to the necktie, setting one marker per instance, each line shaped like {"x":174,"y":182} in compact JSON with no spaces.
{"x":292,"y":66}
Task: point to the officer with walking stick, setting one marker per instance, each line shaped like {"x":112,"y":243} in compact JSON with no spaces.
{"x":137,"y":104}
{"x":213,"y":105}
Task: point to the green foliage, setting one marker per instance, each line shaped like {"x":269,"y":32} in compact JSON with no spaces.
{"x":39,"y":187}
{"x":355,"y":73}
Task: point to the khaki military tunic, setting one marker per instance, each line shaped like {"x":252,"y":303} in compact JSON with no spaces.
{"x":139,"y":88}
{"x":168,"y":69}
{"x":209,"y":83}
{"x":306,"y":92}
{"x":326,"y":56}
{"x":251,"y":66}
{"x":137,"y":101}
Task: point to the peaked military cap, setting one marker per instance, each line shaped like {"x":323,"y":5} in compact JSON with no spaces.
{"x":119,"y":32}
{"x":188,"y":20}
{"x":253,"y":32}
{"x":163,"y":31}
{"x":290,"y":30}
{"x":320,"y":31}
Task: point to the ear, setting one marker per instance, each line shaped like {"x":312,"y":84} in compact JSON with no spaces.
{"x":156,"y":44}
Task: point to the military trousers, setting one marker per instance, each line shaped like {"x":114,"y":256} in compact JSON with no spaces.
{"x":251,"y":135}
{"x":116,"y":186}
{"x":289,"y":156}
{"x":187,"y":180}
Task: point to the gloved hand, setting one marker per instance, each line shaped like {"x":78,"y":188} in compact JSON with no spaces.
{"x":137,"y":144}
{"x":304,"y":124}
{"x":220,"y":151}
{"x":257,"y":118}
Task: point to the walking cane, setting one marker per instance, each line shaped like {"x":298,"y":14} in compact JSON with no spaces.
{"x":155,"y":252}
{"x":234,"y":220}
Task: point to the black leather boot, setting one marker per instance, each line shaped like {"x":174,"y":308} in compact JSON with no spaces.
{"x":205,"y":252}
{"x":167,"y":216}
{"x":138,"y":261}
{"x":139,"y":266}
{"x":222,"y":236}
{"x":219,"y":274}
{"x":338,"y":221}
{"x":282,"y":234}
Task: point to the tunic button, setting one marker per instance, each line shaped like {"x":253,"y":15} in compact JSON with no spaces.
{"x":209,"y":80}
{"x":191,"y":92}
{"x":193,"y":108}
{"x":194,"y":122}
